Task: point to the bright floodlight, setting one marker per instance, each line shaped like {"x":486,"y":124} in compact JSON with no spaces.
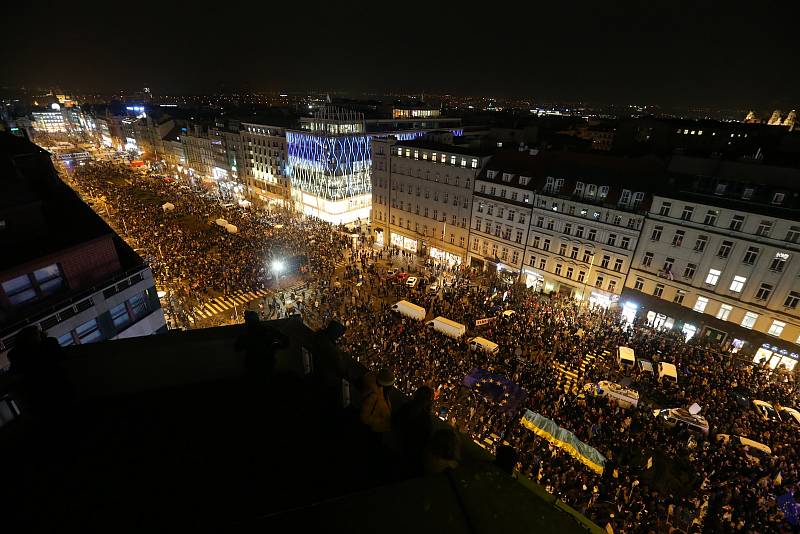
{"x":277,"y":266}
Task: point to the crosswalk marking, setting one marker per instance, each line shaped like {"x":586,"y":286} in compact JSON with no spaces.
{"x":227,"y":303}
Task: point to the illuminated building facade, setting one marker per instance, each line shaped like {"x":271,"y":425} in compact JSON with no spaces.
{"x":329,"y":164}
{"x":264,"y":159}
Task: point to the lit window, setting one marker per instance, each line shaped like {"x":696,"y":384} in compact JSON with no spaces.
{"x":119,"y":315}
{"x":700,"y":305}
{"x":88,"y":332}
{"x":776,"y":328}
{"x":749,"y":320}
{"x":737,"y":284}
{"x":713,"y":277}
{"x":19,"y":290}
{"x":724,"y":312}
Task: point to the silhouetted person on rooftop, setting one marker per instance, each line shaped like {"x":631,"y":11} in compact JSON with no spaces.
{"x":259,"y":343}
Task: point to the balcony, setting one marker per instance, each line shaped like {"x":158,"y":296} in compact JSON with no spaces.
{"x":168,"y":433}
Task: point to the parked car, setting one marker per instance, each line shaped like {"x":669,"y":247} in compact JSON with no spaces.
{"x":391,"y":273}
{"x":401,"y":277}
{"x":433,"y":288}
{"x":646,"y":367}
{"x":766,"y":411}
{"x":412,"y":281}
{"x":681,"y":417}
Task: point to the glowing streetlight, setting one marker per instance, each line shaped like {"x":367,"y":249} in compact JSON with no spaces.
{"x":277,"y":266}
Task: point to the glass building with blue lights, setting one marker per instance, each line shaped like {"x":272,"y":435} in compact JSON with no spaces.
{"x":329,"y":161}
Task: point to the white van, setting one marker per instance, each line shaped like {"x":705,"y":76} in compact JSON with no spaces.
{"x":668,"y":371}
{"x":646,"y":366}
{"x":483,"y":344}
{"x":626,"y":356}
{"x":447,"y":327}
{"x":409,"y":309}
{"x":682,"y":417}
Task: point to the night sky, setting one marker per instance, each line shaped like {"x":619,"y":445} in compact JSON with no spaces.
{"x":720,"y":54}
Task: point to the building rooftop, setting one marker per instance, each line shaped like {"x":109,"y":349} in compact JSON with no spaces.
{"x":630,"y":173}
{"x":57,"y":218}
{"x":168,"y":432}
{"x":428,"y":144}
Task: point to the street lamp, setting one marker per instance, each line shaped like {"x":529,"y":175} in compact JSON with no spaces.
{"x":277,"y":266}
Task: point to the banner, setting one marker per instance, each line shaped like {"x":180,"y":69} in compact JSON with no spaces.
{"x":496,"y":388}
{"x":564,"y":439}
{"x":487,"y":320}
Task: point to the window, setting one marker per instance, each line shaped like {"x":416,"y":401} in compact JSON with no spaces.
{"x":764,"y":292}
{"x":568,"y":228}
{"x":793,"y":235}
{"x":738,"y":284}
{"x":690,"y":270}
{"x":749,"y":320}
{"x":639,"y":284}
{"x":618,"y":265}
{"x":720,"y":189}
{"x":540,"y":222}
{"x":570,"y":271}
{"x":599,"y":281}
{"x":777,"y":198}
{"x":518,"y":238}
{"x":668,"y":263}
{"x":677,"y":239}
{"x":713,"y":277}
{"x":546,"y":244}
{"x":579,"y":232}
{"x":700,"y":244}
{"x":792,"y":300}
{"x":700,"y":305}
{"x":612,"y":240}
{"x":581,"y":276}
{"x":750,"y":256}
{"x":647,"y":261}
{"x":19,"y":290}
{"x":66,"y":340}
{"x":711,"y":217}
{"x":679,"y":296}
{"x":776,"y":328}
{"x":618,"y":220}
{"x":562,"y":249}
{"x":659,"y":290}
{"x":665,"y":207}
{"x":687,"y":213}
{"x":88,"y":332}
{"x":605,"y":261}
{"x":736,"y":223}
{"x":543,"y":264}
{"x":536,"y":242}
{"x":592,"y":234}
{"x":558,"y":269}
{"x":120,"y":316}
{"x":725,"y":249}
{"x":656,"y":235}
{"x":724,"y":312}
{"x":514,"y":257}
{"x":764,"y":229}
{"x":626,"y":242}
{"x":550,"y":224}
{"x":587,"y":257}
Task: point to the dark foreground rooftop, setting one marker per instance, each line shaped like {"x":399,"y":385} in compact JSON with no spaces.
{"x":164,"y":434}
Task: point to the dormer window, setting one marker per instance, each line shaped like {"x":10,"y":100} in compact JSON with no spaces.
{"x":603,"y":192}
{"x":507,"y":177}
{"x":625,"y":198}
{"x":591,"y":191}
{"x":524,"y":180}
{"x":549,"y":184}
{"x":491,"y":174}
{"x":559,"y":184}
{"x":579,"y":186}
{"x":747,"y":194}
{"x":777,"y":198}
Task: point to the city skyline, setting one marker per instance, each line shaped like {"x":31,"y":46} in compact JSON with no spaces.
{"x":679,"y":55}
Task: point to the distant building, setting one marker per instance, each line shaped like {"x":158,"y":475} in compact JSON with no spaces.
{"x":63,"y":268}
{"x":422,"y":196}
{"x":719,"y":256}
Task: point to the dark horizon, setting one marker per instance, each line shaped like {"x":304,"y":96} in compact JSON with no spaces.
{"x":677,"y":55}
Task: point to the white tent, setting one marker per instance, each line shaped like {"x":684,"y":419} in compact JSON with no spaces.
{"x":169,"y":206}
{"x":221,"y":222}
{"x":245,"y":203}
{"x":232,"y":229}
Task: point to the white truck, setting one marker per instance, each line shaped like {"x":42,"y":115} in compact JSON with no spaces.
{"x":447,"y":327}
{"x":483,"y":344}
{"x":410,"y":309}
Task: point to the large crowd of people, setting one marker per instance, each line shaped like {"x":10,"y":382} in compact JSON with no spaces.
{"x":655,"y":476}
{"x":191,"y":255}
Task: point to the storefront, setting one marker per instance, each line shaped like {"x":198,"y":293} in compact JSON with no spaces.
{"x":444,"y":256}
{"x":603,"y":299}
{"x":532,"y":279}
{"x":404,"y":242}
{"x":379,"y":237}
{"x":776,"y":356}
{"x":507,"y":274}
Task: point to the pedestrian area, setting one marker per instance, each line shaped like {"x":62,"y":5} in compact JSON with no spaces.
{"x":571,"y":377}
{"x":238,"y":300}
